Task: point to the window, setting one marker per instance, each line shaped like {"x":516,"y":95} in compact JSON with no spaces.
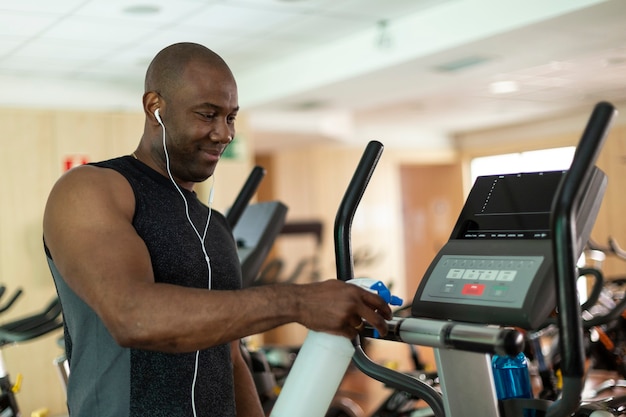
{"x":532,"y":161}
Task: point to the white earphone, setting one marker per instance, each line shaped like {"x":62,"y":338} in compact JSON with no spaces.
{"x":156,"y":115}
{"x":202,"y":239}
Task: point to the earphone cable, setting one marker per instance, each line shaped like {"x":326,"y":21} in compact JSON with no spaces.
{"x":204,"y":251}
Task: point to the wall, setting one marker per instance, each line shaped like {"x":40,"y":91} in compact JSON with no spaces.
{"x":432,"y":199}
{"x":35,"y":145}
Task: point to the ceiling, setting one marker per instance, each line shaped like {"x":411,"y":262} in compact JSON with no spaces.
{"x":410,"y":73}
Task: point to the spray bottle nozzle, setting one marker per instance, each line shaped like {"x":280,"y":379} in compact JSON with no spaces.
{"x":379,"y":288}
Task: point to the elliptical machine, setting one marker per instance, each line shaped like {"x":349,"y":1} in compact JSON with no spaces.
{"x":504,"y":266}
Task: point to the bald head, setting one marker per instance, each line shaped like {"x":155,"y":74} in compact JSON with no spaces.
{"x":166,"y":69}
{"x":195,"y":94}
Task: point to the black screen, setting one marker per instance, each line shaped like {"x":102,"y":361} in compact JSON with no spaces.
{"x":513,"y":206}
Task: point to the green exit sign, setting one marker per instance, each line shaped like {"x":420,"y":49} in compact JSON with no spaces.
{"x":236,"y":149}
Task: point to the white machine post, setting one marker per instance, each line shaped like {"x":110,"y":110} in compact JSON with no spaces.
{"x":466,"y":383}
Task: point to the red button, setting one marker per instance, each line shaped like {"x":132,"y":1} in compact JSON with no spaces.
{"x":473,"y":289}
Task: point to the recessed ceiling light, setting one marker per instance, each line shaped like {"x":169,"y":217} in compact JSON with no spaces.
{"x":503,"y":87}
{"x":141,"y":9}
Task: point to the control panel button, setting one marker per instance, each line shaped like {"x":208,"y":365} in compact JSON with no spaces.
{"x":473,"y":289}
{"x":488,"y":274}
{"x":448,"y":288}
{"x":499,"y":290}
{"x":506,"y":275}
{"x":455,"y":273}
{"x":472,"y":274}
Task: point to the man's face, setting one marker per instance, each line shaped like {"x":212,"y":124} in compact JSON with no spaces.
{"x":200,"y":121}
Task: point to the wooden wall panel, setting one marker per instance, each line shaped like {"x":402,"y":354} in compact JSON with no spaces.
{"x":28,"y":168}
{"x":432,"y":198}
{"x":611,"y":221}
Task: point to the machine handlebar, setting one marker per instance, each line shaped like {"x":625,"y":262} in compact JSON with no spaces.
{"x":245,"y":195}
{"x":452,"y":335}
{"x":32,"y":326}
{"x":563,"y":228}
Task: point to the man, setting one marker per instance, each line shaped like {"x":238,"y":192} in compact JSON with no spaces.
{"x":149,"y":277}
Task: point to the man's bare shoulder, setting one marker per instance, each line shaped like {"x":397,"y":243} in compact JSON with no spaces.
{"x":89,"y":187}
{"x":91,"y":179}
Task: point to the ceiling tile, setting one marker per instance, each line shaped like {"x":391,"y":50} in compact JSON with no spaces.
{"x":237,"y":18}
{"x":77,"y":50}
{"x":24,"y":24}
{"x":379,"y":10}
{"x":306,"y":28}
{"x":166,"y":10}
{"x":295,"y":6}
{"x":40,"y":66}
{"x":39,"y":6}
{"x":8,"y":45}
{"x":113,"y":31}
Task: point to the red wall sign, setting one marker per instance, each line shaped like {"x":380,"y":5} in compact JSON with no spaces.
{"x":70,"y":161}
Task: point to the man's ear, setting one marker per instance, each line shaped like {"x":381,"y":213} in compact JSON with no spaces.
{"x":151,"y":102}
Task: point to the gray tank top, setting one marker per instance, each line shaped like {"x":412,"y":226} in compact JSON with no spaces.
{"x":109,"y":380}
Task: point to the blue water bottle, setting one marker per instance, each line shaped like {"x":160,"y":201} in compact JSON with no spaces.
{"x":511,"y":378}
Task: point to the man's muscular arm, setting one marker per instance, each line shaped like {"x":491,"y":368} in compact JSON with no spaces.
{"x":88,"y":229}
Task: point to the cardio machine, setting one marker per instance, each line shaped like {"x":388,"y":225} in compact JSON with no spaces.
{"x":20,"y":330}
{"x":510,"y":262}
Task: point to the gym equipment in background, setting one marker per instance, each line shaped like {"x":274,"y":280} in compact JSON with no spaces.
{"x":21,"y":330}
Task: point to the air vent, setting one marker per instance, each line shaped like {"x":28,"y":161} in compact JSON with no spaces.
{"x":462,"y":63}
{"x":308,"y":105}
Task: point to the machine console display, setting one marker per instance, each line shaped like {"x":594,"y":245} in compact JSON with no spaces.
{"x":497,"y":267}
{"x":509,"y":207}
